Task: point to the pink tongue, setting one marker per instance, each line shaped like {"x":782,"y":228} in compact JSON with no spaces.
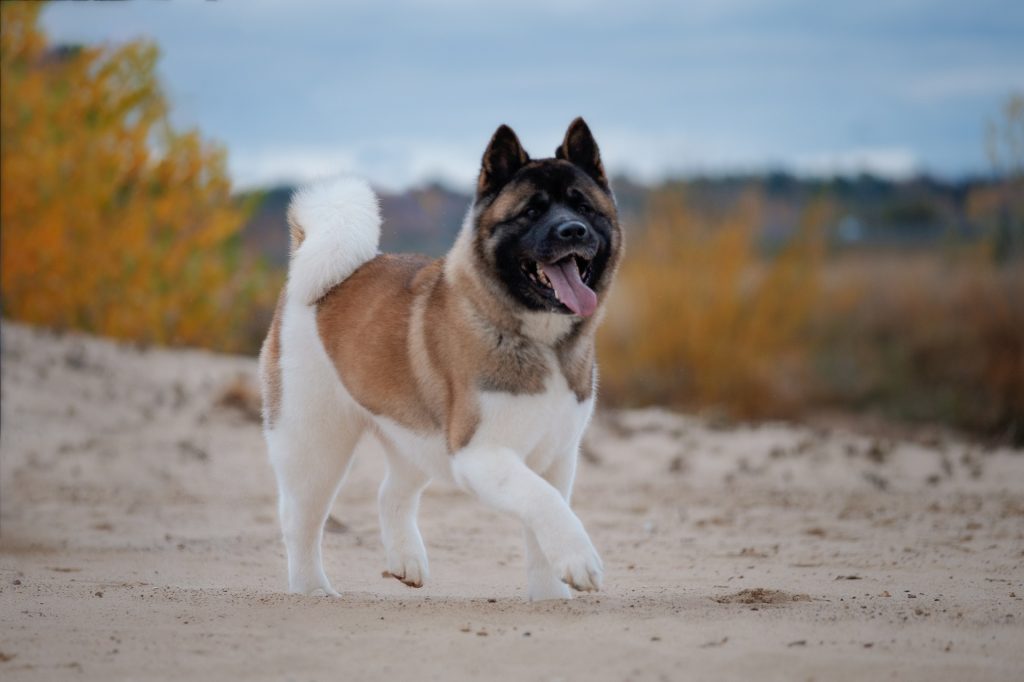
{"x":569,"y":288}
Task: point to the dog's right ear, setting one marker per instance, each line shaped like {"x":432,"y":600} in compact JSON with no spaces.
{"x":580,"y":148}
{"x":503,"y":158}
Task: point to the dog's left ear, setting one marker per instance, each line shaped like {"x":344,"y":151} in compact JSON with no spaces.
{"x":580,"y":148}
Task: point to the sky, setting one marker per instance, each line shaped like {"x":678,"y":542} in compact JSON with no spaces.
{"x":410,"y":91}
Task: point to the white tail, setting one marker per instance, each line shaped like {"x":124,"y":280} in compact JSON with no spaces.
{"x":335,"y":228}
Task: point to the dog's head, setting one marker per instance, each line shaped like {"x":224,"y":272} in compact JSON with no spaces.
{"x":547,"y":229}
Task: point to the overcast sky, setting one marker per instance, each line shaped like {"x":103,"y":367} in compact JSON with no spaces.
{"x":402,"y":92}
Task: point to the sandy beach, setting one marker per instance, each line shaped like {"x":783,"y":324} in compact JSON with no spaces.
{"x":139,"y":541}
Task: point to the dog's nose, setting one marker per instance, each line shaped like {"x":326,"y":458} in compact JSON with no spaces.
{"x":573,"y":229}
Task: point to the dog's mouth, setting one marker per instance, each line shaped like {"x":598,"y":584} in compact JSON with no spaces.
{"x":566,"y":280}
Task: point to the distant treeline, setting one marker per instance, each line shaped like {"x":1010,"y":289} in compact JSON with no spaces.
{"x":867,"y":211}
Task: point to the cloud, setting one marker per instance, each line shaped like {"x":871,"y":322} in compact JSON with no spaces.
{"x":890,"y":162}
{"x":968,"y":82}
{"x":268,"y":167}
{"x":389,"y":164}
{"x":398,"y":163}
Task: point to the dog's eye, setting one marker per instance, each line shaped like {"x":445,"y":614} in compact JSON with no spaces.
{"x":532,"y":212}
{"x":578,"y":199}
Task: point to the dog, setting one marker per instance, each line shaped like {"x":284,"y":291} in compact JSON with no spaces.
{"x":476,"y":368}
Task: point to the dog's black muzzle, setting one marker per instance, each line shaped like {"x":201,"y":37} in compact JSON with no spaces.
{"x":564,"y":233}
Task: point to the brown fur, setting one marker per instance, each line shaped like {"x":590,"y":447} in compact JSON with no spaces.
{"x":296,"y":235}
{"x":576,"y":359}
{"x":271,"y":366}
{"x":364,"y":326}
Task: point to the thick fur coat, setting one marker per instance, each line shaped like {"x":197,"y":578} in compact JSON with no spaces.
{"x":477,"y":368}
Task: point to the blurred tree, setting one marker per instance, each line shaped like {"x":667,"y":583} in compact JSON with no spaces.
{"x":1004,"y":138}
{"x":1000,"y":207}
{"x":113,"y":221}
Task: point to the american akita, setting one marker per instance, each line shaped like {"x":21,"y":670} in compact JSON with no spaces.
{"x":476,"y":368}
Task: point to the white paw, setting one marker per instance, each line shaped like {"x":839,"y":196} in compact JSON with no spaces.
{"x":581,"y":570}
{"x":411,"y":570}
{"x":322,"y":589}
{"x":545,"y":586}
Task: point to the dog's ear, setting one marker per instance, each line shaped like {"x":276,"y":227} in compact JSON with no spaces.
{"x":503,"y":158}
{"x":580,"y":148}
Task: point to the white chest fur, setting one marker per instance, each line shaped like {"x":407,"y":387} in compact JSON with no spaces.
{"x":540,"y":428}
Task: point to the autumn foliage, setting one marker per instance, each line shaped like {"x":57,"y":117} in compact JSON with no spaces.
{"x":700,"y":319}
{"x":113,"y":221}
{"x":704,"y":317}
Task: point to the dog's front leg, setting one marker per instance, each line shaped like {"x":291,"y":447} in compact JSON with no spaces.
{"x":500,"y":479}
{"x":543,"y":581}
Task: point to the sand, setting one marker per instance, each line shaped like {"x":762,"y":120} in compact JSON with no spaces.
{"x":138,"y":540}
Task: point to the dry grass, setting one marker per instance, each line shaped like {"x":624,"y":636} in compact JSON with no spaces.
{"x":703,"y":320}
{"x":936,"y":337}
{"x":699,"y":319}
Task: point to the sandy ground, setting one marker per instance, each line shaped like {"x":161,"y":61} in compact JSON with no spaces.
{"x":139,"y":541}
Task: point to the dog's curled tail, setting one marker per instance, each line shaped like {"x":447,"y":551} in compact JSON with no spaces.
{"x":335,"y":228}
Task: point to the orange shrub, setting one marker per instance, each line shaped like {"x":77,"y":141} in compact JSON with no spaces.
{"x":699,"y":319}
{"x":112,"y":221}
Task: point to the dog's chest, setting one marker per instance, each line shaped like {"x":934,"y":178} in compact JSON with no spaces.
{"x":546,"y":422}
{"x":539,"y":427}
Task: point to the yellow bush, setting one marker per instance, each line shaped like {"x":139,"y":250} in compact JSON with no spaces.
{"x":112,"y":221}
{"x":700,"y":319}
{"x":926,"y":336}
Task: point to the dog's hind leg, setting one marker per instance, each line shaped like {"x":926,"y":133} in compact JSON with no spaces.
{"x":399,"y":501}
{"x":310,"y":465}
